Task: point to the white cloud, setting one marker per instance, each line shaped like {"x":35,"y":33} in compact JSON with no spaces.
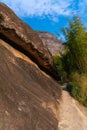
{"x":82,"y":10}
{"x":83,"y":7}
{"x":50,"y":8}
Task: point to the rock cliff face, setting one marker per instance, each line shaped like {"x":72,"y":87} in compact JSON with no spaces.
{"x":29,"y":98}
{"x":54,"y":45}
{"x":22,"y":37}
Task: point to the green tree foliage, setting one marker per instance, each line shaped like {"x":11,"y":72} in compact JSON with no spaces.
{"x":78,"y":87}
{"x":76,"y":41}
{"x":75,"y":59}
{"x":72,"y":64}
{"x":59,"y":64}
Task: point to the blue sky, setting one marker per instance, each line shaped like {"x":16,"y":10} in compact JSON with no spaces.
{"x":48,"y":15}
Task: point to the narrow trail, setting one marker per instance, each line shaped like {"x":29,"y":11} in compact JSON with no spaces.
{"x":79,"y":111}
{"x":73,"y":116}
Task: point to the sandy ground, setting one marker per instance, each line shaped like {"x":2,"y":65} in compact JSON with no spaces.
{"x":73,"y":116}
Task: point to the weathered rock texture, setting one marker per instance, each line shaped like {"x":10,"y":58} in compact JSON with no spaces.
{"x":22,"y":37}
{"x":54,"y":45}
{"x":28,"y":97}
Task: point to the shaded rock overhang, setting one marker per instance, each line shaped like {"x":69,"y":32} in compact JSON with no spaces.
{"x":19,"y":35}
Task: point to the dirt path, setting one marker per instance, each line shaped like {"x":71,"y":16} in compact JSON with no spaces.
{"x":73,"y":116}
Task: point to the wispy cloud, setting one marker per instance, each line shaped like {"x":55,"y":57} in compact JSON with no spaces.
{"x":82,"y":7}
{"x":49,"y":8}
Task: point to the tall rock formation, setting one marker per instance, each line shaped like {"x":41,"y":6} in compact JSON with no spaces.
{"x":29,"y":98}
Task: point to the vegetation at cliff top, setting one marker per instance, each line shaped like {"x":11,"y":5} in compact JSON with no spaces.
{"x":72,"y":65}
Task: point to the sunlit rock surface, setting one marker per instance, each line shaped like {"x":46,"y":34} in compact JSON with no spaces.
{"x":29,"y":98}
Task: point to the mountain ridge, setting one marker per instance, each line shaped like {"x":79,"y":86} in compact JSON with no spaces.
{"x":54,"y":45}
